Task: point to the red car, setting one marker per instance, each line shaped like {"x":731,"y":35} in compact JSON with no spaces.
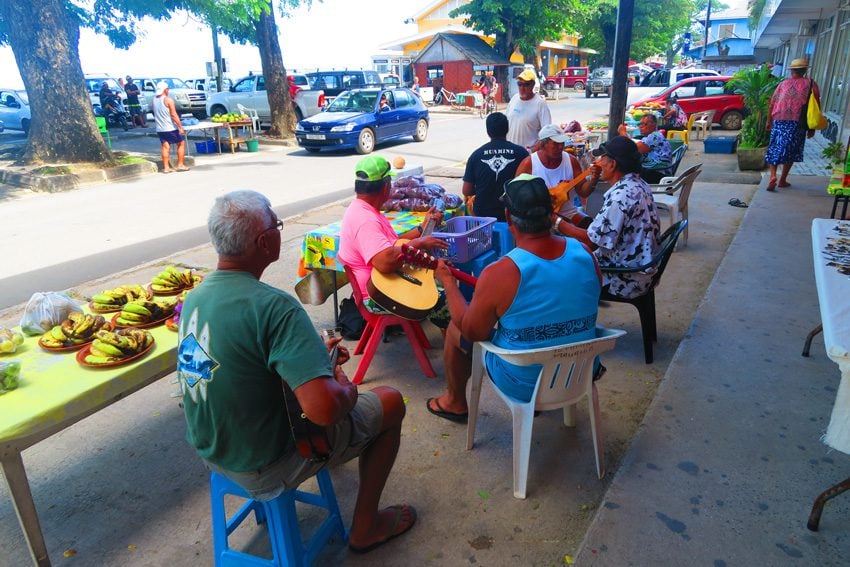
{"x":699,"y":94}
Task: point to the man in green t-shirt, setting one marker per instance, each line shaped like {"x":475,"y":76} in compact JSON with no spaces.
{"x":239,"y":340}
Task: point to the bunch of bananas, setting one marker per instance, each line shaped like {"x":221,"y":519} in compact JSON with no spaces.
{"x":113,"y":299}
{"x":142,"y":311}
{"x":109,"y":346}
{"x":171,"y":279}
{"x":77,"y":329}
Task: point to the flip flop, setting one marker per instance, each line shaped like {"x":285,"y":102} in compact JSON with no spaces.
{"x":440,"y":412}
{"x":786,"y":184}
{"x":169,"y":171}
{"x":181,"y":169}
{"x":399,"y":508}
{"x":735,"y":202}
{"x":771,"y":185}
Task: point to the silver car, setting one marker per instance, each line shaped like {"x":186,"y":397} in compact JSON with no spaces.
{"x":15,"y":110}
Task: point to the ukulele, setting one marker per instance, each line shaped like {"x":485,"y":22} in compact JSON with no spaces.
{"x":311,"y":440}
{"x":411,"y":291}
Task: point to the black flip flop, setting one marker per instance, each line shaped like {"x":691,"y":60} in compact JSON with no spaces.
{"x":440,"y":412}
{"x":735,"y":202}
{"x":393,"y":534}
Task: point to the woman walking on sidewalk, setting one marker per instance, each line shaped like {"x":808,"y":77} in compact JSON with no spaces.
{"x":787,"y":135}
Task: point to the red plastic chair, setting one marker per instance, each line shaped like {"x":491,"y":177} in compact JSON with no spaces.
{"x":372,"y":335}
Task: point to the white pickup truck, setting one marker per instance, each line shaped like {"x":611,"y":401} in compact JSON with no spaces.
{"x":660,"y":79}
{"x":250,"y":92}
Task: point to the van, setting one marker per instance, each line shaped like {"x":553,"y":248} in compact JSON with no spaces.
{"x":334,"y":82}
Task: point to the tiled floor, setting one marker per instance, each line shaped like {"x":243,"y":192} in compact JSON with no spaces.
{"x":813,"y":162}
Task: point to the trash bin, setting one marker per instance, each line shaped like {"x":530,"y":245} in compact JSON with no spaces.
{"x":252,"y":145}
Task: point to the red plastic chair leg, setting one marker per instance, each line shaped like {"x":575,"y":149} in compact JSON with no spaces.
{"x":364,"y":338}
{"x":371,"y":347}
{"x":420,"y":335}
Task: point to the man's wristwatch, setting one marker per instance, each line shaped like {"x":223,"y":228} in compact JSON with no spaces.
{"x":419,"y":228}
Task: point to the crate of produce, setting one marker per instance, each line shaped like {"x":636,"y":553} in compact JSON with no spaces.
{"x":720,"y":145}
{"x":467,"y":237}
{"x":206,"y":147}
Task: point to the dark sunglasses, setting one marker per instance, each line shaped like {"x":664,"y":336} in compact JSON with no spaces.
{"x":525,"y":83}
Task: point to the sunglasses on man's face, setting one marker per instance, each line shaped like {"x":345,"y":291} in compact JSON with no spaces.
{"x":525,"y":83}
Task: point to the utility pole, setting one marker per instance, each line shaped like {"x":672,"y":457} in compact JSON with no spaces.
{"x":217,"y":59}
{"x":622,"y":46}
{"x":707,"y":26}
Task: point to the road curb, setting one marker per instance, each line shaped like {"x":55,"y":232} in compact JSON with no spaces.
{"x":62,"y":182}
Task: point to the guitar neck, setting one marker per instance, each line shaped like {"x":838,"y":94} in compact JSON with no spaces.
{"x":463,"y":277}
{"x":421,"y":258}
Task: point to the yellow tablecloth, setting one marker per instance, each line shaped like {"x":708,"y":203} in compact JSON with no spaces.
{"x":55,"y":388}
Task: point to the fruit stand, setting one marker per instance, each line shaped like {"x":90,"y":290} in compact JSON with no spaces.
{"x":233,"y":122}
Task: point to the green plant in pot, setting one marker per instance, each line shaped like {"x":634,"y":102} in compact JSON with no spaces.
{"x":756,"y":86}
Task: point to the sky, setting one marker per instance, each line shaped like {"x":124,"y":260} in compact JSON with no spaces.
{"x":329,"y":34}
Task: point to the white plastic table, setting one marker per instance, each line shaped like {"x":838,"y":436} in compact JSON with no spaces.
{"x":834,"y":298}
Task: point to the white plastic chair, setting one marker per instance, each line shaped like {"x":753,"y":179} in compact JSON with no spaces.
{"x":252,"y":114}
{"x":565,"y":379}
{"x":702,"y":122}
{"x":674,"y":198}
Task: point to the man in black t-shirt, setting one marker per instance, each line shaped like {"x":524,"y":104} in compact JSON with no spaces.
{"x":136,"y":114}
{"x":490,"y":166}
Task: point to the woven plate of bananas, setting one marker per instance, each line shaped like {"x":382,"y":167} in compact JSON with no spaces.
{"x":73,"y":333}
{"x":173,"y":280}
{"x":144,"y":313}
{"x":111,"y":300}
{"x":110,"y":348}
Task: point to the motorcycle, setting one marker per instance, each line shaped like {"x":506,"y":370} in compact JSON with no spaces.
{"x":113,"y":110}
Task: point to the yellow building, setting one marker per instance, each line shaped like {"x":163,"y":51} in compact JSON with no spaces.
{"x":434,"y":18}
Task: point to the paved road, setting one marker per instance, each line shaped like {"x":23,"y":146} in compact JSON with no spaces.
{"x":55,"y":241}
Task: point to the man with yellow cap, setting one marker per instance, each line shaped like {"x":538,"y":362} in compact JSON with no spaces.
{"x":527,"y":112}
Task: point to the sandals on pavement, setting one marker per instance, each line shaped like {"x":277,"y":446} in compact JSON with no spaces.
{"x":394,"y":531}
{"x":735,"y":202}
{"x":440,"y":412}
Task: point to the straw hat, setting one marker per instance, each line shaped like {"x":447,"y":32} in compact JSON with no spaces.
{"x":801,"y":63}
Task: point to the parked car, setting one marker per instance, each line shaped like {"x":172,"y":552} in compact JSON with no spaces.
{"x":568,"y":78}
{"x":250,"y":92}
{"x":208,"y":85}
{"x":334,"y":82}
{"x":600,"y":82}
{"x":660,"y":79}
{"x":389,"y":80}
{"x":15,"y":110}
{"x":353,"y":120}
{"x":186,"y":99}
{"x":700,"y":94}
{"x":93,"y":84}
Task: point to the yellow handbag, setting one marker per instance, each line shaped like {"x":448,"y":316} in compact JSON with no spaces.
{"x":814,"y":117}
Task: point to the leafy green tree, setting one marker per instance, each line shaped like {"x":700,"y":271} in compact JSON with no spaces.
{"x":519,"y":24}
{"x":253,"y":21}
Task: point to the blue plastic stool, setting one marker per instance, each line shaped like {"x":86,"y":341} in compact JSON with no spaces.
{"x":503,"y":240}
{"x":287,"y":547}
{"x":475,"y":267}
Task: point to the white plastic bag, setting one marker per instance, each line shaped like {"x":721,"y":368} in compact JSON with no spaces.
{"x":45,"y":310}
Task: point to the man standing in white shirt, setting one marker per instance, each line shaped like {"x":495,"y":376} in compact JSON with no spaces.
{"x":527,"y":112}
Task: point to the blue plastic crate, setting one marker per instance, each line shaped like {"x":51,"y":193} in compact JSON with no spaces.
{"x":206,"y":147}
{"x":720,"y":145}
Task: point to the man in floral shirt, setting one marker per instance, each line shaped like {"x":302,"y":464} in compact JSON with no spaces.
{"x":625,"y":232}
{"x":656,"y":150}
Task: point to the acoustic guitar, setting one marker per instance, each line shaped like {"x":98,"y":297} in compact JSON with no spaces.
{"x":411,"y":291}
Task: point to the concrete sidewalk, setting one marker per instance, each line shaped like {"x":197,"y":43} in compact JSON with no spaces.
{"x":728,"y":460}
{"x":721,"y":470}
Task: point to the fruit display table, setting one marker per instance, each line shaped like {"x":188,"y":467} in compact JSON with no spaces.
{"x":54,"y":392}
{"x":247,"y":126}
{"x":837,"y":189}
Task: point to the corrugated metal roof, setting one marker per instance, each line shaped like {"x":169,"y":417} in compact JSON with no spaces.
{"x":461,"y":46}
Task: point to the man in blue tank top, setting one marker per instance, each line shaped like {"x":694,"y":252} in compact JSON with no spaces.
{"x":543,"y":293}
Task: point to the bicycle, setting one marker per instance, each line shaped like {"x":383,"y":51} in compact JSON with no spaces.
{"x":487,"y":106}
{"x":445,"y":97}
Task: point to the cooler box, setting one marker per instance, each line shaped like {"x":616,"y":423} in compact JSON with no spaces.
{"x":720,"y":145}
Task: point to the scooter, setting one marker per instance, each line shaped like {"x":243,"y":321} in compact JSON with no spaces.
{"x":114,"y":112}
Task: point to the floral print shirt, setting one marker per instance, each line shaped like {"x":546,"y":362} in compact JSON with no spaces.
{"x":660,"y":153}
{"x":626,"y":231}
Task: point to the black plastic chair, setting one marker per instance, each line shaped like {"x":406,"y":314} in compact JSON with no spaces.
{"x":645,"y":303}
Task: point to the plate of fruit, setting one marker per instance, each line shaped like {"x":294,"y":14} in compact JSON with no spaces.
{"x":109,"y":349}
{"x":111,"y":300}
{"x":172,"y":281}
{"x":73,"y":333}
{"x":144,"y":313}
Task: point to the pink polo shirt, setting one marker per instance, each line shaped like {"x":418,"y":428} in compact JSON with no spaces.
{"x":365,"y":232}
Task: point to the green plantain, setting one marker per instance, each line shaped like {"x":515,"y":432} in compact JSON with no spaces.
{"x":57,"y":334}
{"x":106,"y":348}
{"x":93,"y":359}
{"x":138,"y":307}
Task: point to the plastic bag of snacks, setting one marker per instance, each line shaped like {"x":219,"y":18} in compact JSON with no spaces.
{"x":411,"y":193}
{"x":45,"y":310}
{"x":9,"y":340}
{"x":9,"y":375}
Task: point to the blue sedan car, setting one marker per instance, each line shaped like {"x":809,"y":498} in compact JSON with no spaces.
{"x":364,"y":118}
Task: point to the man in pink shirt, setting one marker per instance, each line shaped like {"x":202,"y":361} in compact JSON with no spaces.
{"x":367,"y":240}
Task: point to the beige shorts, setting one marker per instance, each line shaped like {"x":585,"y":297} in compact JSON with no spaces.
{"x":349,"y":438}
